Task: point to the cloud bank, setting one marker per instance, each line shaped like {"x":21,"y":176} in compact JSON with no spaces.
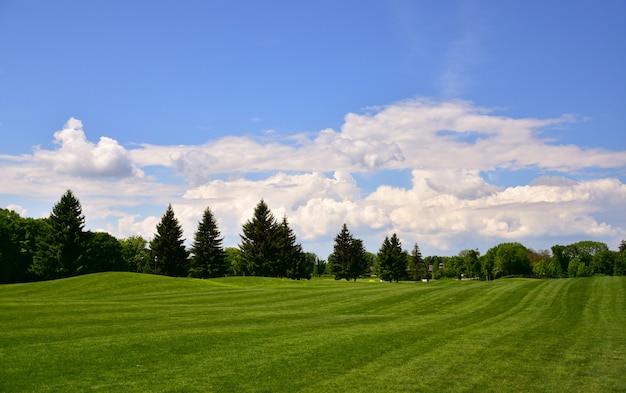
{"x":449,"y":205}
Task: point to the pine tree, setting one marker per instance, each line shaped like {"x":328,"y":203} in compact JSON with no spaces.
{"x":61,"y":251}
{"x":392,"y":260}
{"x":417,"y":267}
{"x":348,"y":259}
{"x":292,"y":260}
{"x":208,"y":257}
{"x":168,"y":254}
{"x":260,"y":242}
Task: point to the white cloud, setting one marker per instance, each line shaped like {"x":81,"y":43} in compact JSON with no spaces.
{"x":441,"y":216}
{"x":77,"y":156}
{"x":449,"y":205}
{"x":18,"y":209}
{"x":411,"y":134}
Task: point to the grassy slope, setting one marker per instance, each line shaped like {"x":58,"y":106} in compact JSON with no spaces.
{"x":128,"y":332}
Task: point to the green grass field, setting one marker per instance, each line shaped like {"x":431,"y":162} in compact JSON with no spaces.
{"x":124,"y":332}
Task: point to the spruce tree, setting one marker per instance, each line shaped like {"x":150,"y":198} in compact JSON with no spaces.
{"x":292,"y":261}
{"x":168,"y":254}
{"x":208,"y":257}
{"x":348,"y":259}
{"x":417,"y":267}
{"x":260,"y":243}
{"x":392,"y":260}
{"x":62,"y":248}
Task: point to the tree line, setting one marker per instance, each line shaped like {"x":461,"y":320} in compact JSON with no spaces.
{"x":59,"y":246}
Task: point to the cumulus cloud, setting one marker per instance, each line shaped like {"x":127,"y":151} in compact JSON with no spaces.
{"x":417,"y":133}
{"x":80,"y":157}
{"x":522,"y":212}
{"x":447,"y":206}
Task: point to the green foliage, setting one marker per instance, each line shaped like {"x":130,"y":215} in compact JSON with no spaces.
{"x":435,"y":264}
{"x":417,"y":269}
{"x":292,"y":260}
{"x":260,"y":243}
{"x":507,"y":259}
{"x":123,"y":332}
{"x":603,"y":262}
{"x":470,"y":263}
{"x":61,"y":251}
{"x":167,"y":250}
{"x":581,"y":256}
{"x":208,"y":257}
{"x":392,"y":260}
{"x":540,"y":263}
{"x":349,"y":259}
{"x":619,"y":267}
{"x":319,"y":265}
{"x":135,"y":253}
{"x":103,"y":253}
{"x":17,"y":245}
{"x":237,"y":266}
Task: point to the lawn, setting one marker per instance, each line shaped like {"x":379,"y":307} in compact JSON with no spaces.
{"x":125,"y":332}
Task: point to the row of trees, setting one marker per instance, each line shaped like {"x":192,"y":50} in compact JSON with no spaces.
{"x":59,"y":246}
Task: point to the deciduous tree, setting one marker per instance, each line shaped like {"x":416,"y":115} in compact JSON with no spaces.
{"x":135,"y":253}
{"x":103,"y":253}
{"x":507,"y":259}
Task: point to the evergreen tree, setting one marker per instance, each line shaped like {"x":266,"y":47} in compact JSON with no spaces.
{"x":208,"y":257}
{"x":417,"y":267}
{"x":392,"y":260}
{"x":168,"y":254}
{"x":260,"y":244}
{"x":348,"y":259}
{"x":292,"y":260}
{"x":61,"y":252}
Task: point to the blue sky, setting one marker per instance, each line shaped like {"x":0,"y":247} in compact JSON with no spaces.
{"x":456,"y":124}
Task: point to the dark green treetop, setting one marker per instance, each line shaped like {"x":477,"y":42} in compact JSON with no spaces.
{"x":292,"y":260}
{"x":260,"y":243}
{"x":208,"y":258}
{"x":392,"y":261}
{"x":61,"y":251}
{"x":417,"y":268}
{"x":348,"y":259}
{"x":168,"y":254}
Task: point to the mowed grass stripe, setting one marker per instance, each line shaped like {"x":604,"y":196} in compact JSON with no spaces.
{"x":125,"y":332}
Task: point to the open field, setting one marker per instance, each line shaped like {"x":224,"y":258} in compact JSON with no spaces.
{"x":124,"y":332}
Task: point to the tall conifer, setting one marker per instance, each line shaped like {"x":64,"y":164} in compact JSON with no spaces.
{"x":260,"y":242}
{"x":348,"y":259}
{"x":168,"y":254}
{"x":208,"y":258}
{"x":392,"y":260}
{"x":293,"y":263}
{"x":61,"y":251}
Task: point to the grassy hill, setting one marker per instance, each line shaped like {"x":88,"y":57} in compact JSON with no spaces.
{"x":124,"y":332}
